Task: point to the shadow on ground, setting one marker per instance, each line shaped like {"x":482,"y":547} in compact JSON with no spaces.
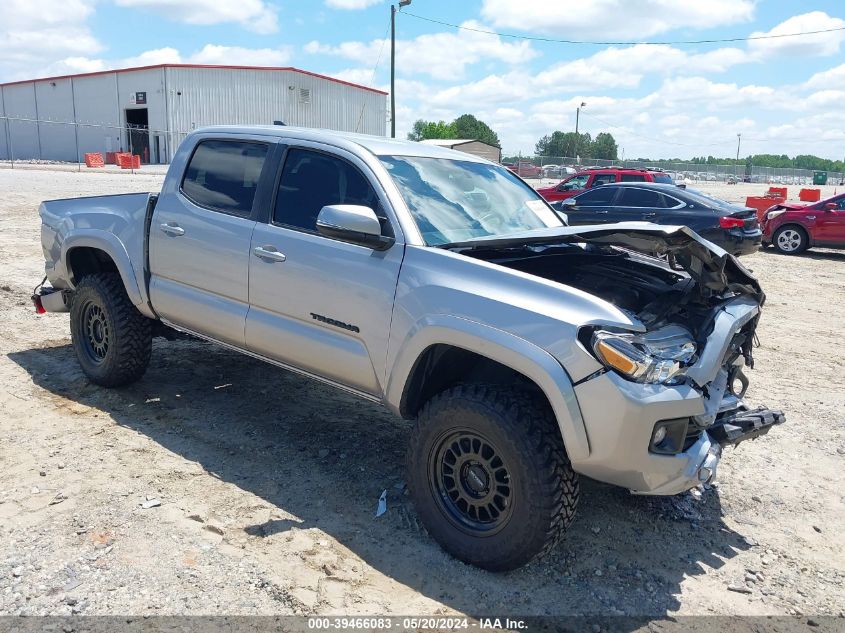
{"x":325,"y":457}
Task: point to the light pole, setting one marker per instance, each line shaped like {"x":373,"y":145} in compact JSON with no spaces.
{"x":738,"y":140}
{"x":577,"y":138}
{"x":393,"y":10}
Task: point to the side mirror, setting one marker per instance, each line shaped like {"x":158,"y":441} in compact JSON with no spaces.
{"x":568,"y":203}
{"x":831,"y":206}
{"x":353,"y":223}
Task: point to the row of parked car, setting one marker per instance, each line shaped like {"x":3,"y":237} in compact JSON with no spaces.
{"x":608,"y":195}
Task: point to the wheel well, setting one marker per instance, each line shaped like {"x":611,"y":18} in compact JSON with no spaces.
{"x":86,"y":260}
{"x":793,"y":225}
{"x":443,"y":366}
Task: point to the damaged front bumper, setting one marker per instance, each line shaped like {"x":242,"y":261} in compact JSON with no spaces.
{"x":701,"y":416}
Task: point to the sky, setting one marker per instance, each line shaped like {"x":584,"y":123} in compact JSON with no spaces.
{"x":784,"y":96}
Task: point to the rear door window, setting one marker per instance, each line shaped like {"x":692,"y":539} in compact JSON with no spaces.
{"x":633,"y":178}
{"x":642,"y":198}
{"x":222,"y":175}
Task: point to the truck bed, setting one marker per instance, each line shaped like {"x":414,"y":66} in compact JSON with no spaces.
{"x":116,"y":222}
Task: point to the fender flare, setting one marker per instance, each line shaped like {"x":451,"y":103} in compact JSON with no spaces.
{"x":512,"y":351}
{"x":114,"y":248}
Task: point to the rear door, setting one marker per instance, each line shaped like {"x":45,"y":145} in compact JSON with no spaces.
{"x":593,"y":207}
{"x":321,"y":305}
{"x":200,"y":237}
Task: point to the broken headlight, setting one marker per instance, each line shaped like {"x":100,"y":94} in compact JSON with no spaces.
{"x":659,"y":356}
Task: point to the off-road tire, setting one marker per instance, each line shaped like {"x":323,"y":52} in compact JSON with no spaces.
{"x":112,"y":340}
{"x":801,"y":242}
{"x":521,"y":429}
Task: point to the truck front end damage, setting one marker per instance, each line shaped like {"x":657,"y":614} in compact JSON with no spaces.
{"x":667,"y":393}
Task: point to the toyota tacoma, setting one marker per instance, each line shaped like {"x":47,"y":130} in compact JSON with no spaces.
{"x":527,"y":353}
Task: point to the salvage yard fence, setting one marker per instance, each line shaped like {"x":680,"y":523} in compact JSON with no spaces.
{"x":690,"y":171}
{"x":42,"y":141}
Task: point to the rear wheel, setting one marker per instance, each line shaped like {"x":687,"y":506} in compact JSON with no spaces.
{"x":489,"y":476}
{"x":112,"y":340}
{"x":790,"y":240}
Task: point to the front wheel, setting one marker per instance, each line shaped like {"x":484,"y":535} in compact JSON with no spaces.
{"x":790,"y":240}
{"x":489,"y":476}
{"x":112,"y":340}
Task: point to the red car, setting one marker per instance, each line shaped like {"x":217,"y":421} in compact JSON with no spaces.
{"x":792,"y":228}
{"x":525,"y":169}
{"x":589,"y":178}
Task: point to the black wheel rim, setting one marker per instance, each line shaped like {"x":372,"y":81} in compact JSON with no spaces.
{"x":471,"y":482}
{"x":95,"y":332}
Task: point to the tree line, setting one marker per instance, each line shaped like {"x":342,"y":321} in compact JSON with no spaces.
{"x":603,"y":146}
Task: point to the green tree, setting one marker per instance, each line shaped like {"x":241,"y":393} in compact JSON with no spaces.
{"x":565,"y":144}
{"x":423,"y":130}
{"x":467,"y":126}
{"x":604,"y":147}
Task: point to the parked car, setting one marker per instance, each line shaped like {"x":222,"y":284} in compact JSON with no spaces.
{"x":589,"y":178}
{"x":557,"y":171}
{"x":734,"y":228}
{"x":523,"y":351}
{"x":525,"y":169}
{"x":792,"y":228}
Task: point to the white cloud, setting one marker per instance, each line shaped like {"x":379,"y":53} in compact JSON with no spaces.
{"x":827,"y":78}
{"x":50,"y":34}
{"x":351,"y":4}
{"x":820,"y":44}
{"x":214,"y":54}
{"x":440,"y":55}
{"x":614,"y":19}
{"x":255,"y":15}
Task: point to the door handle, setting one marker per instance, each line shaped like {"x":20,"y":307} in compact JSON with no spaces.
{"x":172,"y":229}
{"x":649,"y":215}
{"x":604,"y":212}
{"x":269,"y":253}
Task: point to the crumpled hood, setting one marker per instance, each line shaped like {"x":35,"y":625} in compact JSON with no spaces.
{"x":792,"y":206}
{"x":715,"y":270}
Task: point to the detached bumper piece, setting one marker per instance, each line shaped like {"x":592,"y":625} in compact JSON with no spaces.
{"x":745,"y":425}
{"x":51,"y":300}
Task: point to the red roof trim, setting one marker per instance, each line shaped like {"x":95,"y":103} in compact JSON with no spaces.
{"x":157,"y":66}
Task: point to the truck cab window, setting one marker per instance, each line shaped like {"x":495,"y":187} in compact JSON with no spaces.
{"x":223,"y":175}
{"x":311,"y":180}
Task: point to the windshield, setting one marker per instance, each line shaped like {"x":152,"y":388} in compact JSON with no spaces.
{"x":456,"y":200}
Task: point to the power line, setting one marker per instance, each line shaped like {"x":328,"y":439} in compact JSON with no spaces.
{"x":610,"y":43}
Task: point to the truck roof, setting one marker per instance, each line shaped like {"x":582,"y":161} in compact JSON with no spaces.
{"x":377,"y":145}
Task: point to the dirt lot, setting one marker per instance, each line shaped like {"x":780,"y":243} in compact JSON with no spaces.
{"x":220,"y":485}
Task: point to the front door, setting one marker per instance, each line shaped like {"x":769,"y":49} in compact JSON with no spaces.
{"x":830,"y":224}
{"x":593,"y":207}
{"x":318,"y":304}
{"x":200,"y":238}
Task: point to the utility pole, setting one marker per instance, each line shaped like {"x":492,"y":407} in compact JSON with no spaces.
{"x":577,"y":138}
{"x":738,"y":140}
{"x":393,"y":11}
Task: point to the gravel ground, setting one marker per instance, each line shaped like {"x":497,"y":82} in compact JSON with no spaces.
{"x":220,"y":485}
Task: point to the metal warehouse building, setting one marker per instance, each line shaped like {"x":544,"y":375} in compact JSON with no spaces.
{"x":149,"y":110}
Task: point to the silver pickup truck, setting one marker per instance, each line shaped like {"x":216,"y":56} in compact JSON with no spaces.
{"x":525,"y":352}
